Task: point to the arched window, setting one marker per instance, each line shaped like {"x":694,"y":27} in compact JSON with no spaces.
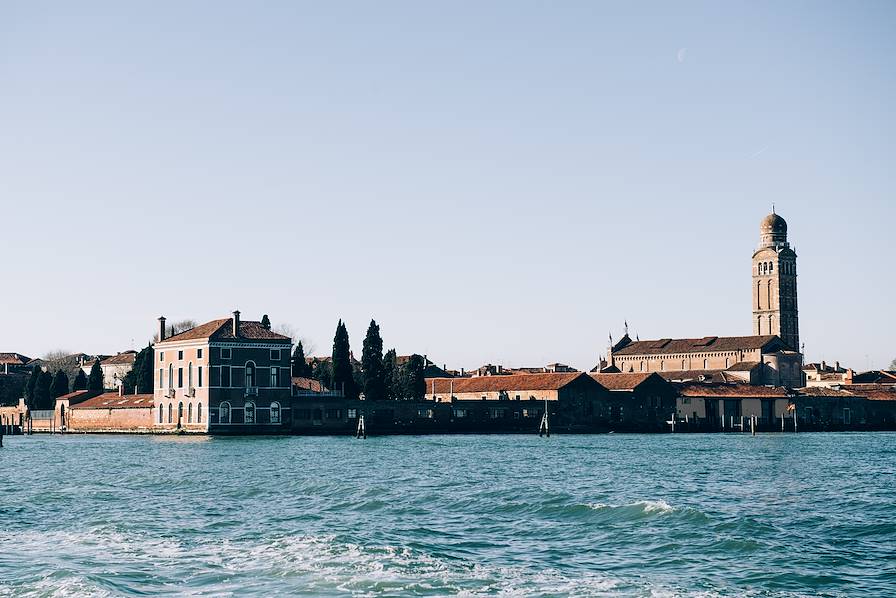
{"x":771,"y":324}
{"x":727,"y":361}
{"x":198,"y":413}
{"x":683,"y":366}
{"x":642,"y":365}
{"x":161,"y":413}
{"x":189,"y":413}
{"x":170,"y":375}
{"x":758,"y":295}
{"x":662,"y":366}
{"x":250,"y":412}
{"x":225,"y":412}
{"x":180,"y":413}
{"x":190,"y":375}
{"x":275,"y":413}
{"x":771,"y":266}
{"x":705,"y":364}
{"x":759,"y":326}
{"x":170,"y":412}
{"x":250,"y":375}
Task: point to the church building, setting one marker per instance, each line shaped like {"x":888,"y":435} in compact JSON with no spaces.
{"x":770,"y":357}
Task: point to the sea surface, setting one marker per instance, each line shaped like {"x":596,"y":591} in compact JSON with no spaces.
{"x":613,"y":515}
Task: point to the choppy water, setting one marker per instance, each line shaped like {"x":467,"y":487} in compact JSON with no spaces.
{"x":628,"y":515}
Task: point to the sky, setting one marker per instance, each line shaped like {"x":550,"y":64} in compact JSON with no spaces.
{"x":493,"y":182}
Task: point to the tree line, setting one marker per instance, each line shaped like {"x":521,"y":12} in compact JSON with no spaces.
{"x":379,"y":375}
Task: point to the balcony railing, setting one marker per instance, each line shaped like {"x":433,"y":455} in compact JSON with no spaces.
{"x":251,"y":391}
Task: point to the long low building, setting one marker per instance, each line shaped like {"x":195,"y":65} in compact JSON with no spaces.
{"x":112,"y":413}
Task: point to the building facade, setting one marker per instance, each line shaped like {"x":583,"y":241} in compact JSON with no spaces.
{"x":774,"y":284}
{"x":224,"y":376}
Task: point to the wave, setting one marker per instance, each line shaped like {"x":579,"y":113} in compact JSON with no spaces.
{"x":647,"y":507}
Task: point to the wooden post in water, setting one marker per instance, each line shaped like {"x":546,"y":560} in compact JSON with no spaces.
{"x":753,"y":425}
{"x":362,"y":429}
{"x":543,"y":429}
{"x":794,"y":421}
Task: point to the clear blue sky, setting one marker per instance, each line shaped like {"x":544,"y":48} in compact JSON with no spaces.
{"x":498,"y":182}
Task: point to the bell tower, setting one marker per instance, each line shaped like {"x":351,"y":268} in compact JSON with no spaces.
{"x":774,"y":283}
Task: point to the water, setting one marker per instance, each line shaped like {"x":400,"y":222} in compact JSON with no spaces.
{"x":619,"y":515}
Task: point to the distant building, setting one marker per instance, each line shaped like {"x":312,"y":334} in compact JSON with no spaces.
{"x":11,"y":363}
{"x":754,"y":359}
{"x":824,"y":375}
{"x":115,"y":368}
{"x":226,"y":376}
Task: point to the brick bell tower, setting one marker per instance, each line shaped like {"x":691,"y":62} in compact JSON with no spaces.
{"x":774,"y":283}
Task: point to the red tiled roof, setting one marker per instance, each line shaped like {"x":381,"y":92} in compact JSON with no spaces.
{"x":120,"y":359}
{"x":112,"y":400}
{"x":623,"y":381}
{"x":731,"y":390}
{"x":707,"y":344}
{"x":308,"y":384}
{"x":546,"y":381}
{"x":223,"y":330}
{"x":873,"y":392}
{"x":76,"y":396}
{"x":821,"y":391}
{"x":13,"y":359}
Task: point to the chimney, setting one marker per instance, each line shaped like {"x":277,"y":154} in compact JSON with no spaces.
{"x":161,"y":328}
{"x":836,"y":366}
{"x":236,"y":323}
{"x":849,"y":374}
{"x":824,"y":365}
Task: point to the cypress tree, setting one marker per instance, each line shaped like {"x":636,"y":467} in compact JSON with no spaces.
{"x":59,"y":386}
{"x":341,"y":376}
{"x":414,"y":384}
{"x":391,"y":378}
{"x":300,"y":367}
{"x":42,"y":398}
{"x":266,"y":322}
{"x":80,"y":382}
{"x":95,"y":380}
{"x":372,"y":364}
{"x":140,"y":377}
{"x":32,"y":382}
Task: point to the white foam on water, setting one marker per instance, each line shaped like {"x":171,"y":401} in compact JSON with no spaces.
{"x":646,"y":506}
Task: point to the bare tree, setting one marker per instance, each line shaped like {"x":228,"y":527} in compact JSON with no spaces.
{"x":293,"y":333}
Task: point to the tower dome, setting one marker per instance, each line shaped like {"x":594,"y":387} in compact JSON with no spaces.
{"x":773,"y":231}
{"x":773,"y":224}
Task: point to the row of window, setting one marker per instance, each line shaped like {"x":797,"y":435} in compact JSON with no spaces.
{"x":685,"y":365}
{"x":224,"y":413}
{"x":764,"y":268}
{"x":180,"y":413}
{"x":250,"y":376}
{"x":226,"y":354}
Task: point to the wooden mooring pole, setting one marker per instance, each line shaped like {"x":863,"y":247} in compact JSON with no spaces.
{"x":362,"y":429}
{"x":544,"y":429}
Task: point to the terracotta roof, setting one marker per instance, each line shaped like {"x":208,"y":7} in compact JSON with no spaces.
{"x":873,"y":392}
{"x":545,"y":381}
{"x":223,"y":330}
{"x":874,"y":377}
{"x":13,"y":359}
{"x":308,"y":384}
{"x":732,"y":390}
{"x":821,"y":391}
{"x":623,"y":381}
{"x":76,"y":396}
{"x":706,"y":344}
{"x":743,"y":366}
{"x":111,"y":400}
{"x":122,"y":358}
{"x":684,"y":375}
